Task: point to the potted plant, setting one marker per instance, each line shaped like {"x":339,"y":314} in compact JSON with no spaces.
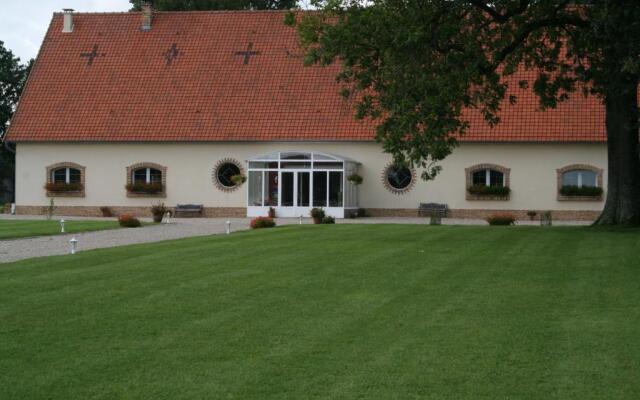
{"x":272,"y":212}
{"x":354,"y":179}
{"x":531,"y":214}
{"x":158,"y":211}
{"x":317,"y":214}
{"x":106,"y":211}
{"x":238,"y":179}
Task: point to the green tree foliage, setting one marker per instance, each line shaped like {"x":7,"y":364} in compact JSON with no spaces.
{"x":414,"y":65}
{"x":201,"y":5}
{"x":12,"y":79}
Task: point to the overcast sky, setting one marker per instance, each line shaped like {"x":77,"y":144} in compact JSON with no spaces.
{"x":23,"y":23}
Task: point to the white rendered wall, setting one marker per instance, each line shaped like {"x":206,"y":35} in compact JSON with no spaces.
{"x":190,"y":167}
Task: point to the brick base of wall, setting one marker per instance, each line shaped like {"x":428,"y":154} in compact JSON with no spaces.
{"x":560,"y":215}
{"x":240,"y":212}
{"x":88,"y":211}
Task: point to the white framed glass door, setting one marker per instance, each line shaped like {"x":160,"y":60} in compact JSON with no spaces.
{"x":295,"y":193}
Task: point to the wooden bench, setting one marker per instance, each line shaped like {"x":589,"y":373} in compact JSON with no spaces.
{"x":432,"y":210}
{"x":189,"y":210}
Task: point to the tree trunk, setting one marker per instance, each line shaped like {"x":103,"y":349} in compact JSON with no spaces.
{"x":623,"y":193}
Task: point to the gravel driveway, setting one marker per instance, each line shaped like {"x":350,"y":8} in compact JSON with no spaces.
{"x":18,"y":249}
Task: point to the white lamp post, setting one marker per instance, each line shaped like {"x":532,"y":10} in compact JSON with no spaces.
{"x":62,"y":226}
{"x":74,"y":243}
{"x":228,"y":227}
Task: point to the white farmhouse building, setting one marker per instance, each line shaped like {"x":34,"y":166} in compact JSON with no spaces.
{"x":216,"y":108}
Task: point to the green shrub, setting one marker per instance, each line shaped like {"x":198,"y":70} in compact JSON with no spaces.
{"x":501,"y":219}
{"x":482,"y":190}
{"x":262,"y":222}
{"x":591,"y":191}
{"x":328,"y":220}
{"x":129,"y":221}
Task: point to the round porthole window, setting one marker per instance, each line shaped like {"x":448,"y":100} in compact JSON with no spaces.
{"x":398,"y":179}
{"x":228,"y":175}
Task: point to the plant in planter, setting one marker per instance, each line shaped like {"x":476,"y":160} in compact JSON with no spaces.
{"x":106,"y":211}
{"x":63,"y":187}
{"x":158,"y":211}
{"x":238,"y":179}
{"x":145,"y":188}
{"x":129,"y":221}
{"x":317,"y":214}
{"x":581,"y":191}
{"x":262,"y":222}
{"x":531,"y":214}
{"x":354,"y":179}
{"x":482,"y":190}
{"x":272,"y":212}
{"x":501,"y":219}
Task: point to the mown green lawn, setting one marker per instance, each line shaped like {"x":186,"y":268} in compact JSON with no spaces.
{"x":11,"y":229}
{"x":330,"y":312}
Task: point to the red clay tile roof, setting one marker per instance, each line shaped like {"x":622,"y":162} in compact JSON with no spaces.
{"x":132,"y":92}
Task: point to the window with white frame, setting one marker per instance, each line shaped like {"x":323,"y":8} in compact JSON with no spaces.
{"x":66,"y":175}
{"x":488,"y":177}
{"x":580,"y":178}
{"x":146,"y":175}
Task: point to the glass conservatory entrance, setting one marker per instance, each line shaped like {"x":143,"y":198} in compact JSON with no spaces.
{"x":294,"y":182}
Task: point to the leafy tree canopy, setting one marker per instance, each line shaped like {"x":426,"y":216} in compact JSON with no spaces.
{"x":12,"y":78}
{"x":202,"y":5}
{"x":416,"y":64}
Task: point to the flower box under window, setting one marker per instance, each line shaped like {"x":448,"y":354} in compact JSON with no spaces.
{"x":145,"y":188}
{"x":483,"y":192}
{"x":586,"y":193}
{"x":63,"y":187}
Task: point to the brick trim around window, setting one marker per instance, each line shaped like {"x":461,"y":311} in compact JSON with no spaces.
{"x":159,"y":167}
{"x":506,"y":172}
{"x":572,"y":167}
{"x":53,"y":167}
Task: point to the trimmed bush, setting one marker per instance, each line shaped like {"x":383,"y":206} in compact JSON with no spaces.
{"x":61,"y":187}
{"x":328,"y":220}
{"x":501,"y":219}
{"x":482,"y":190}
{"x":262,"y":222}
{"x":587,"y":191}
{"x":148,"y":188}
{"x":129,"y":221}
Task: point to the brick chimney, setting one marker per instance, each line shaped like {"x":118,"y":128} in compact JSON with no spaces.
{"x":67,"y":21}
{"x":147,"y":16}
